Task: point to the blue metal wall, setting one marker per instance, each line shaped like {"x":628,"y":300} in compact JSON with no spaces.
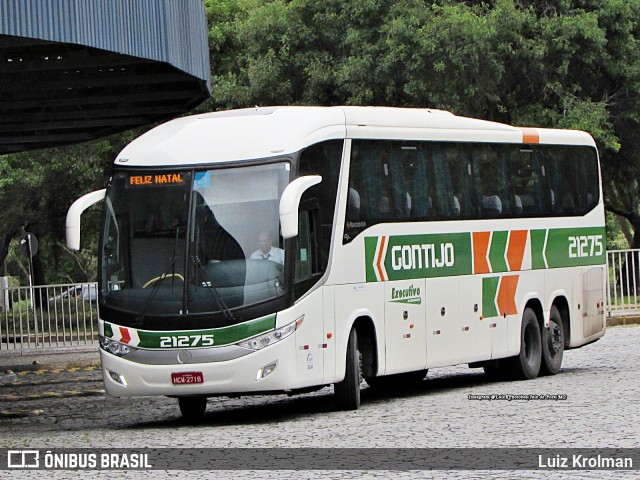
{"x":172,"y":31}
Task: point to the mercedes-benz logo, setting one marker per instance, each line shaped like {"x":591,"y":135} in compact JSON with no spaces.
{"x":185,"y":356}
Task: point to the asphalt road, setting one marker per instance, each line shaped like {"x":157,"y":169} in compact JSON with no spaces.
{"x":591,"y":403}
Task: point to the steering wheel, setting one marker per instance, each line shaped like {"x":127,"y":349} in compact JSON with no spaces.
{"x":162,"y":277}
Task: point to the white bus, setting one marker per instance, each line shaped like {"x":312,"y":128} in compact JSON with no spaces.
{"x":284,"y":249}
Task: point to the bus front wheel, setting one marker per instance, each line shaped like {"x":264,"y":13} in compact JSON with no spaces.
{"x":552,"y":344}
{"x":526,"y":365}
{"x":347,"y":392}
{"x":192,"y":408}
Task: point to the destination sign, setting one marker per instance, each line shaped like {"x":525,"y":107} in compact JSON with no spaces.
{"x":156,"y":179}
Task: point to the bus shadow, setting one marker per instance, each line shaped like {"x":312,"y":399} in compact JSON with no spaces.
{"x":222,"y":411}
{"x":264,"y":410}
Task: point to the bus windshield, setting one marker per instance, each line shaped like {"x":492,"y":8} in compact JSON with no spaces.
{"x":193,"y":241}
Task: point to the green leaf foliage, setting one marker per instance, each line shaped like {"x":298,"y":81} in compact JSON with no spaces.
{"x":557,"y":64}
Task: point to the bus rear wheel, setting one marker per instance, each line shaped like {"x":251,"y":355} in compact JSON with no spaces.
{"x":552,"y":344}
{"x":192,"y":408}
{"x":347,"y":392}
{"x":526,"y":365}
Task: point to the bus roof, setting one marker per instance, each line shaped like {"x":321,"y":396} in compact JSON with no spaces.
{"x":264,"y":132}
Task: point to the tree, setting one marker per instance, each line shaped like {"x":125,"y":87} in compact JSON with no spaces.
{"x":36,"y":190}
{"x":560,"y":63}
{"x":563,"y":64}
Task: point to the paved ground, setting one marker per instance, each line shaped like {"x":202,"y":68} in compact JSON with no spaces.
{"x":600,"y":383}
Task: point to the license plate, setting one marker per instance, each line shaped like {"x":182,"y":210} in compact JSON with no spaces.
{"x":185,"y":378}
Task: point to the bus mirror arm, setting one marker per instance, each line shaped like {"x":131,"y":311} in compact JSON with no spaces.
{"x":74,"y":213}
{"x":290,"y":201}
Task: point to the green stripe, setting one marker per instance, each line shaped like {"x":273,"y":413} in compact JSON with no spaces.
{"x":221,"y":336}
{"x":537,"y":246}
{"x":497,"y":250}
{"x":370,"y":244}
{"x":489,"y":292}
{"x":422,"y":256}
{"x":108,"y":332}
{"x":412,"y":301}
{"x":574,"y":247}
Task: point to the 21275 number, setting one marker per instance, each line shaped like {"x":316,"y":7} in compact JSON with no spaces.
{"x":185,"y":341}
{"x":585,"y":246}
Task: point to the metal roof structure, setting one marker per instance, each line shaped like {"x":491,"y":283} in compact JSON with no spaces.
{"x":76,"y":70}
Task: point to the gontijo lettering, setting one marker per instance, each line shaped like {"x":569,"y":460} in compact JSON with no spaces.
{"x":409,"y":257}
{"x":403,"y":257}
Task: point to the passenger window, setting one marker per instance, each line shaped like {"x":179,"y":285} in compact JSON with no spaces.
{"x":323,"y":159}
{"x":526,"y":174}
{"x":369,"y":198}
{"x":422,"y":181}
{"x":304,"y":250}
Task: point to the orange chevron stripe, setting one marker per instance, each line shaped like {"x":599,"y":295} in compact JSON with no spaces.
{"x":515,"y":249}
{"x":507,"y":294}
{"x":480,"y":249}
{"x":530,"y":135}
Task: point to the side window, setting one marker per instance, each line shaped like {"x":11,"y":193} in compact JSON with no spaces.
{"x":526,"y":183}
{"x":446,"y":205}
{"x":369,"y":198}
{"x":572,"y":176}
{"x":459,"y":165}
{"x":562,"y":181}
{"x":489,"y":176}
{"x":393,"y":181}
{"x":304,"y":250}
{"x":401,"y":161}
{"x":317,"y":208}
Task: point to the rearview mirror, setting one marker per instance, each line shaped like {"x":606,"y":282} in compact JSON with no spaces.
{"x":290,"y":201}
{"x":74,"y":213}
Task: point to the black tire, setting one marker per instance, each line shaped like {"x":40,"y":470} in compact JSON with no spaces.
{"x":192,"y":408}
{"x":397,"y":381}
{"x":347,"y":392}
{"x":552,"y":344}
{"x":526,"y":365}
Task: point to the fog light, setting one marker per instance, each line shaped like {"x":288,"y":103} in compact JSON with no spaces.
{"x":117,"y":378}
{"x":266,"y":370}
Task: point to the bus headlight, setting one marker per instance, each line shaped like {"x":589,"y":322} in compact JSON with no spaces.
{"x":114,"y":347}
{"x":266,"y":339}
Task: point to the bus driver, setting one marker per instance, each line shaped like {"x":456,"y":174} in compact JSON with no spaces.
{"x":267,"y":251}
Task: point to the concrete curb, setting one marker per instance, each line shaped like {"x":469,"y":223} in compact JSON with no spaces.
{"x":617,"y":321}
{"x":45,"y":361}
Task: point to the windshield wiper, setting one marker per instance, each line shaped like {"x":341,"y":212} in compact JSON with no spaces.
{"x":214,"y":291}
{"x":163,"y":276}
